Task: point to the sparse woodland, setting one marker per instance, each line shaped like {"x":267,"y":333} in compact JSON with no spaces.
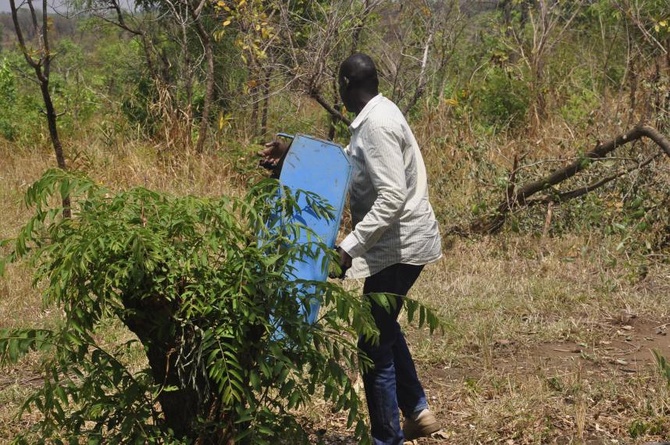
{"x":131,"y":199}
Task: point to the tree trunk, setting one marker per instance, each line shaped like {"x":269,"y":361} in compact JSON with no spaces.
{"x":265,"y":92}
{"x":165,"y":343}
{"x":41,"y":67}
{"x":53,"y":134}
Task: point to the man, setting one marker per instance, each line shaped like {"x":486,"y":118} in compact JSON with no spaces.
{"x":395,"y":234}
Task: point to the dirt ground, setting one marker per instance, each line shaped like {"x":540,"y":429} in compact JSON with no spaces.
{"x":623,"y":354}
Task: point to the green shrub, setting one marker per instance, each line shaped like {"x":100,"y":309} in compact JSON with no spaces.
{"x":21,"y":117}
{"x":229,"y":356}
{"x":8,"y":128}
{"x":500,"y":99}
{"x":578,"y":107}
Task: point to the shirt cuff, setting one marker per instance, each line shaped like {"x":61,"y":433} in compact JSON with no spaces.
{"x":351,"y":245}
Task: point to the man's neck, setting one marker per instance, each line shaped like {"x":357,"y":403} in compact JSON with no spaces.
{"x":363,"y":101}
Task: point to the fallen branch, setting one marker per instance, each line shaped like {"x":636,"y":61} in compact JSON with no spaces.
{"x":520,"y":198}
{"x":565,"y":196}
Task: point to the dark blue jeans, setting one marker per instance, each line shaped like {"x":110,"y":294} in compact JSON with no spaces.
{"x":391,"y":384}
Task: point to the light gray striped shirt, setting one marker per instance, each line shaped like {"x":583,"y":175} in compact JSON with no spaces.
{"x":388,"y":196}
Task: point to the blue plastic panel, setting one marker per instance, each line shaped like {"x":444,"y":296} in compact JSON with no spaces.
{"x":323,"y":168}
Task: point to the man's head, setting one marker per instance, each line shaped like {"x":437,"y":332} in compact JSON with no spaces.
{"x":358,"y":81}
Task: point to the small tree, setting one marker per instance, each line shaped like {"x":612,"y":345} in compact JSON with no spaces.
{"x":229,"y":356}
{"x":35,"y":47}
{"x":38,"y":55}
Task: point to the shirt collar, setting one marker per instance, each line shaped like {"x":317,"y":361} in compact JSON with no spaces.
{"x":365,"y":111}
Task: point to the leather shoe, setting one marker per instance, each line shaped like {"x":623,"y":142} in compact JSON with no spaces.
{"x":424,"y":425}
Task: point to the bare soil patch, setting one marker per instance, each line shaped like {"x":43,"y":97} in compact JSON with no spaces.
{"x":626,"y":346}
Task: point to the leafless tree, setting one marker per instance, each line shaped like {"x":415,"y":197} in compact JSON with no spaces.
{"x":411,"y":43}
{"x":549,"y":22}
{"x":38,"y":55}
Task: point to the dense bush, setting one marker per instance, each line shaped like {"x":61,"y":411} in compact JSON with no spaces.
{"x":229,"y":354}
{"x":7,"y":99}
{"x":501,"y":99}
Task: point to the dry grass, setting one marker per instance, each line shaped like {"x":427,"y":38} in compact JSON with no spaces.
{"x":548,"y":339}
{"x":544,"y":345}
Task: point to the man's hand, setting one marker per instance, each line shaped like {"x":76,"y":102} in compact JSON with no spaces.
{"x":272,"y":153}
{"x":345,"y":261}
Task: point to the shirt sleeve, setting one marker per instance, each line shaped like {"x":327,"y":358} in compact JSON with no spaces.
{"x":385,"y":164}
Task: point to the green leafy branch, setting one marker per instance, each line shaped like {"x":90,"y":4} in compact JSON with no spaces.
{"x":206,"y":287}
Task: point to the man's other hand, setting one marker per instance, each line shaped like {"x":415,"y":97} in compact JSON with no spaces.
{"x":272,"y":153}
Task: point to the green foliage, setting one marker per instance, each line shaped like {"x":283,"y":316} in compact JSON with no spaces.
{"x":20,"y":103}
{"x":663,"y":365}
{"x":17,"y":343}
{"x":657,"y":426}
{"x":639,"y":428}
{"x":210,"y":301}
{"x":578,"y":106}
{"x":7,"y":101}
{"x":73,"y":85}
{"x":502,"y":99}
{"x":88,"y":85}
{"x":499,"y":91}
{"x":138,"y":104}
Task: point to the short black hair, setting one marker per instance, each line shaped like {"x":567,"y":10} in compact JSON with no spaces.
{"x":359,"y":71}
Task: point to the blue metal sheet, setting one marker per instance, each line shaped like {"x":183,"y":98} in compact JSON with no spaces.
{"x":323,"y":168}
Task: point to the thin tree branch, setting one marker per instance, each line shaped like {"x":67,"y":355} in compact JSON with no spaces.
{"x":44,"y":39}
{"x":329,"y":108}
{"x":421,"y":86}
{"x":20,"y":37}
